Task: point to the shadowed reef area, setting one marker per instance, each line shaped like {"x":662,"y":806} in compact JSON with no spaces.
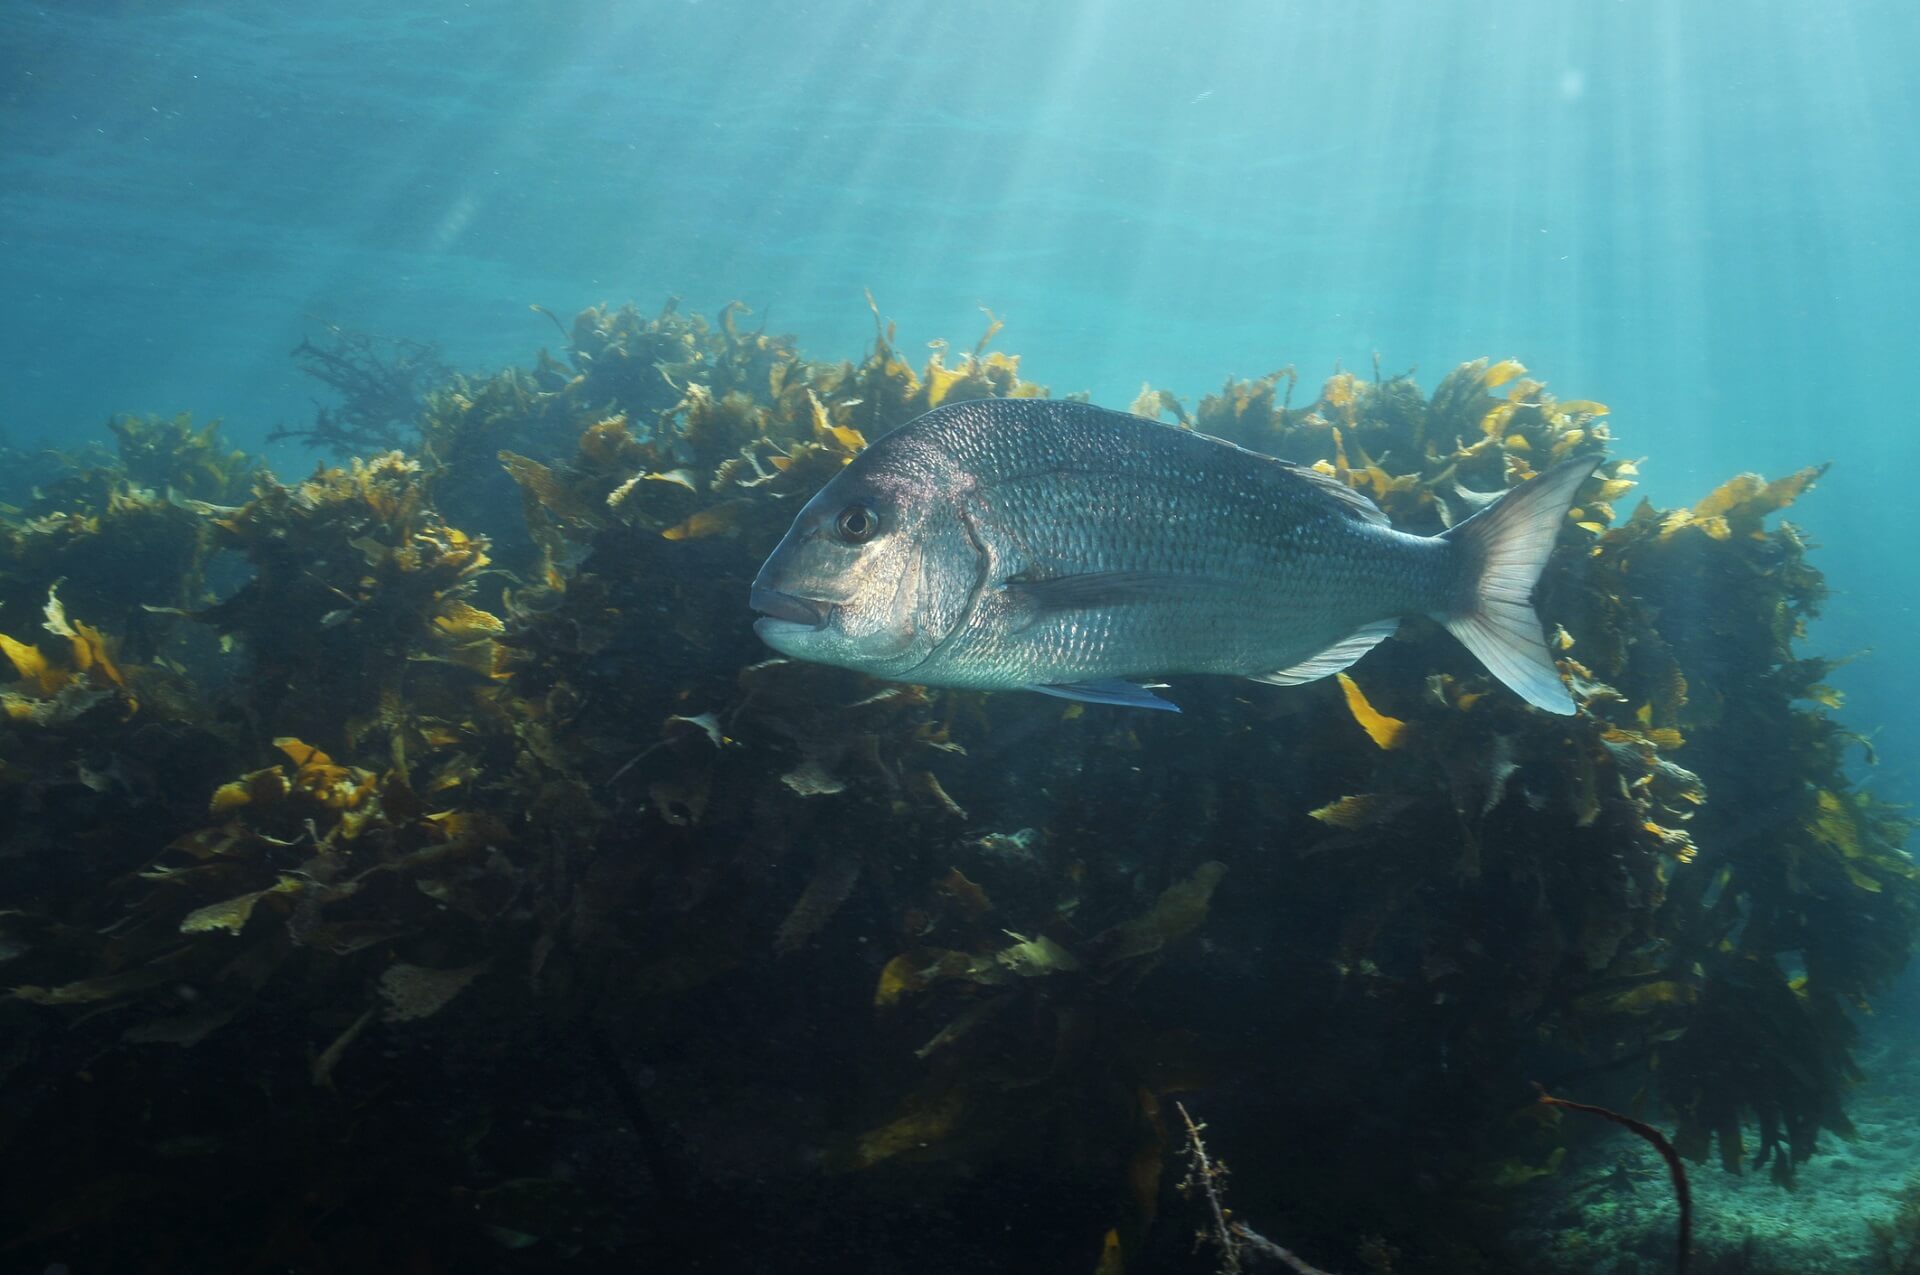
{"x":422,"y":866}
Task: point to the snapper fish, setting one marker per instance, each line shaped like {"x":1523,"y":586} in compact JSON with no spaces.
{"x":1031,"y":544}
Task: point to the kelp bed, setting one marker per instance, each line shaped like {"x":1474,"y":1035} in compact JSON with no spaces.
{"x":423,"y":867}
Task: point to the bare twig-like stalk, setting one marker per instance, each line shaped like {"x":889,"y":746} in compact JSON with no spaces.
{"x":1682,"y":1193}
{"x":1206,"y":1174}
{"x":1267,"y":1248}
{"x":1234,"y":1239}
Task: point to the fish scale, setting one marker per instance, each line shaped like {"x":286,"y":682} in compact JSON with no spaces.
{"x":1274,"y":565}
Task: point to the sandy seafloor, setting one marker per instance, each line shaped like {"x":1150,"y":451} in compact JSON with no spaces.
{"x":1611,"y":1211}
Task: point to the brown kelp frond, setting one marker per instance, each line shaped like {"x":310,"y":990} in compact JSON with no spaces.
{"x":1428,"y":462}
{"x":359,"y":599}
{"x":174,"y":459}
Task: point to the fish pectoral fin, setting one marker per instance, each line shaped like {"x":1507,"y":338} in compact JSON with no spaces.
{"x":1336,"y":657}
{"x":1097,"y":589}
{"x":1110,"y":690}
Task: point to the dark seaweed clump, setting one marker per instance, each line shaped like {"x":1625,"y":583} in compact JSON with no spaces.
{"x":422,"y":866}
{"x":1896,"y":1239}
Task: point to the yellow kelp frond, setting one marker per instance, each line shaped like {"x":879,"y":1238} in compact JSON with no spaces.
{"x":1157,"y":403}
{"x":1660,"y":994}
{"x":32,"y":666}
{"x":1386,"y":732}
{"x":57,"y":691}
{"x":923,"y":1125}
{"x":1738,"y":506}
{"x":720,"y":520}
{"x":826,"y":430}
{"x":1176,"y":913}
{"x":1502,"y":372}
{"x":1361,"y":810}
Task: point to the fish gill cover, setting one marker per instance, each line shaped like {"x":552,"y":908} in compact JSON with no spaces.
{"x":369,"y":839}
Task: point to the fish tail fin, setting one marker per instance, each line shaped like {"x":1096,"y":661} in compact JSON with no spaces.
{"x":1501,"y":552}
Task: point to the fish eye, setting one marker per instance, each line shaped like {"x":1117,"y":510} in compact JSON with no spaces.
{"x":857,"y":524}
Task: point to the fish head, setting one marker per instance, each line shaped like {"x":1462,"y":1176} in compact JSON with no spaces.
{"x":878,"y":567}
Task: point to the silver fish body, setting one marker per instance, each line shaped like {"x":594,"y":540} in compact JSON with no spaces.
{"x":1060,"y":547}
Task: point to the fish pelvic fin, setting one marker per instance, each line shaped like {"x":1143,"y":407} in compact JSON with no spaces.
{"x":1501,"y":551}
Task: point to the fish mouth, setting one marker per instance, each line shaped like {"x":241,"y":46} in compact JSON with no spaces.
{"x":786,"y":609}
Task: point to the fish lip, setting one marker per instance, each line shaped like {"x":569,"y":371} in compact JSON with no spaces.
{"x":786,"y":608}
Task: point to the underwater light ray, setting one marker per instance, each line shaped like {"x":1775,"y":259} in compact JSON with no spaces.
{"x":804,"y":149}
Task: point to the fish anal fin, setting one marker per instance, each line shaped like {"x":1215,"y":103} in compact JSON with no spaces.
{"x":1334,"y":658}
{"x":1110,"y":690}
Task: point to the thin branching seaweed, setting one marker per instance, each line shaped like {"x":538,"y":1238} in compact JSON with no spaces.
{"x":379,"y":384}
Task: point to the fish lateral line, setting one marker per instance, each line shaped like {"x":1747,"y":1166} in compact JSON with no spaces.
{"x":1092,"y":589}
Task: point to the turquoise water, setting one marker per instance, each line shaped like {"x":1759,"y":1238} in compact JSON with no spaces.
{"x":1699,"y":214}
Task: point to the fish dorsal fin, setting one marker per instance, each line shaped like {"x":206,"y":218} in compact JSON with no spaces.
{"x":1110,"y":690}
{"x":1354,"y":504}
{"x":1336,"y":657}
